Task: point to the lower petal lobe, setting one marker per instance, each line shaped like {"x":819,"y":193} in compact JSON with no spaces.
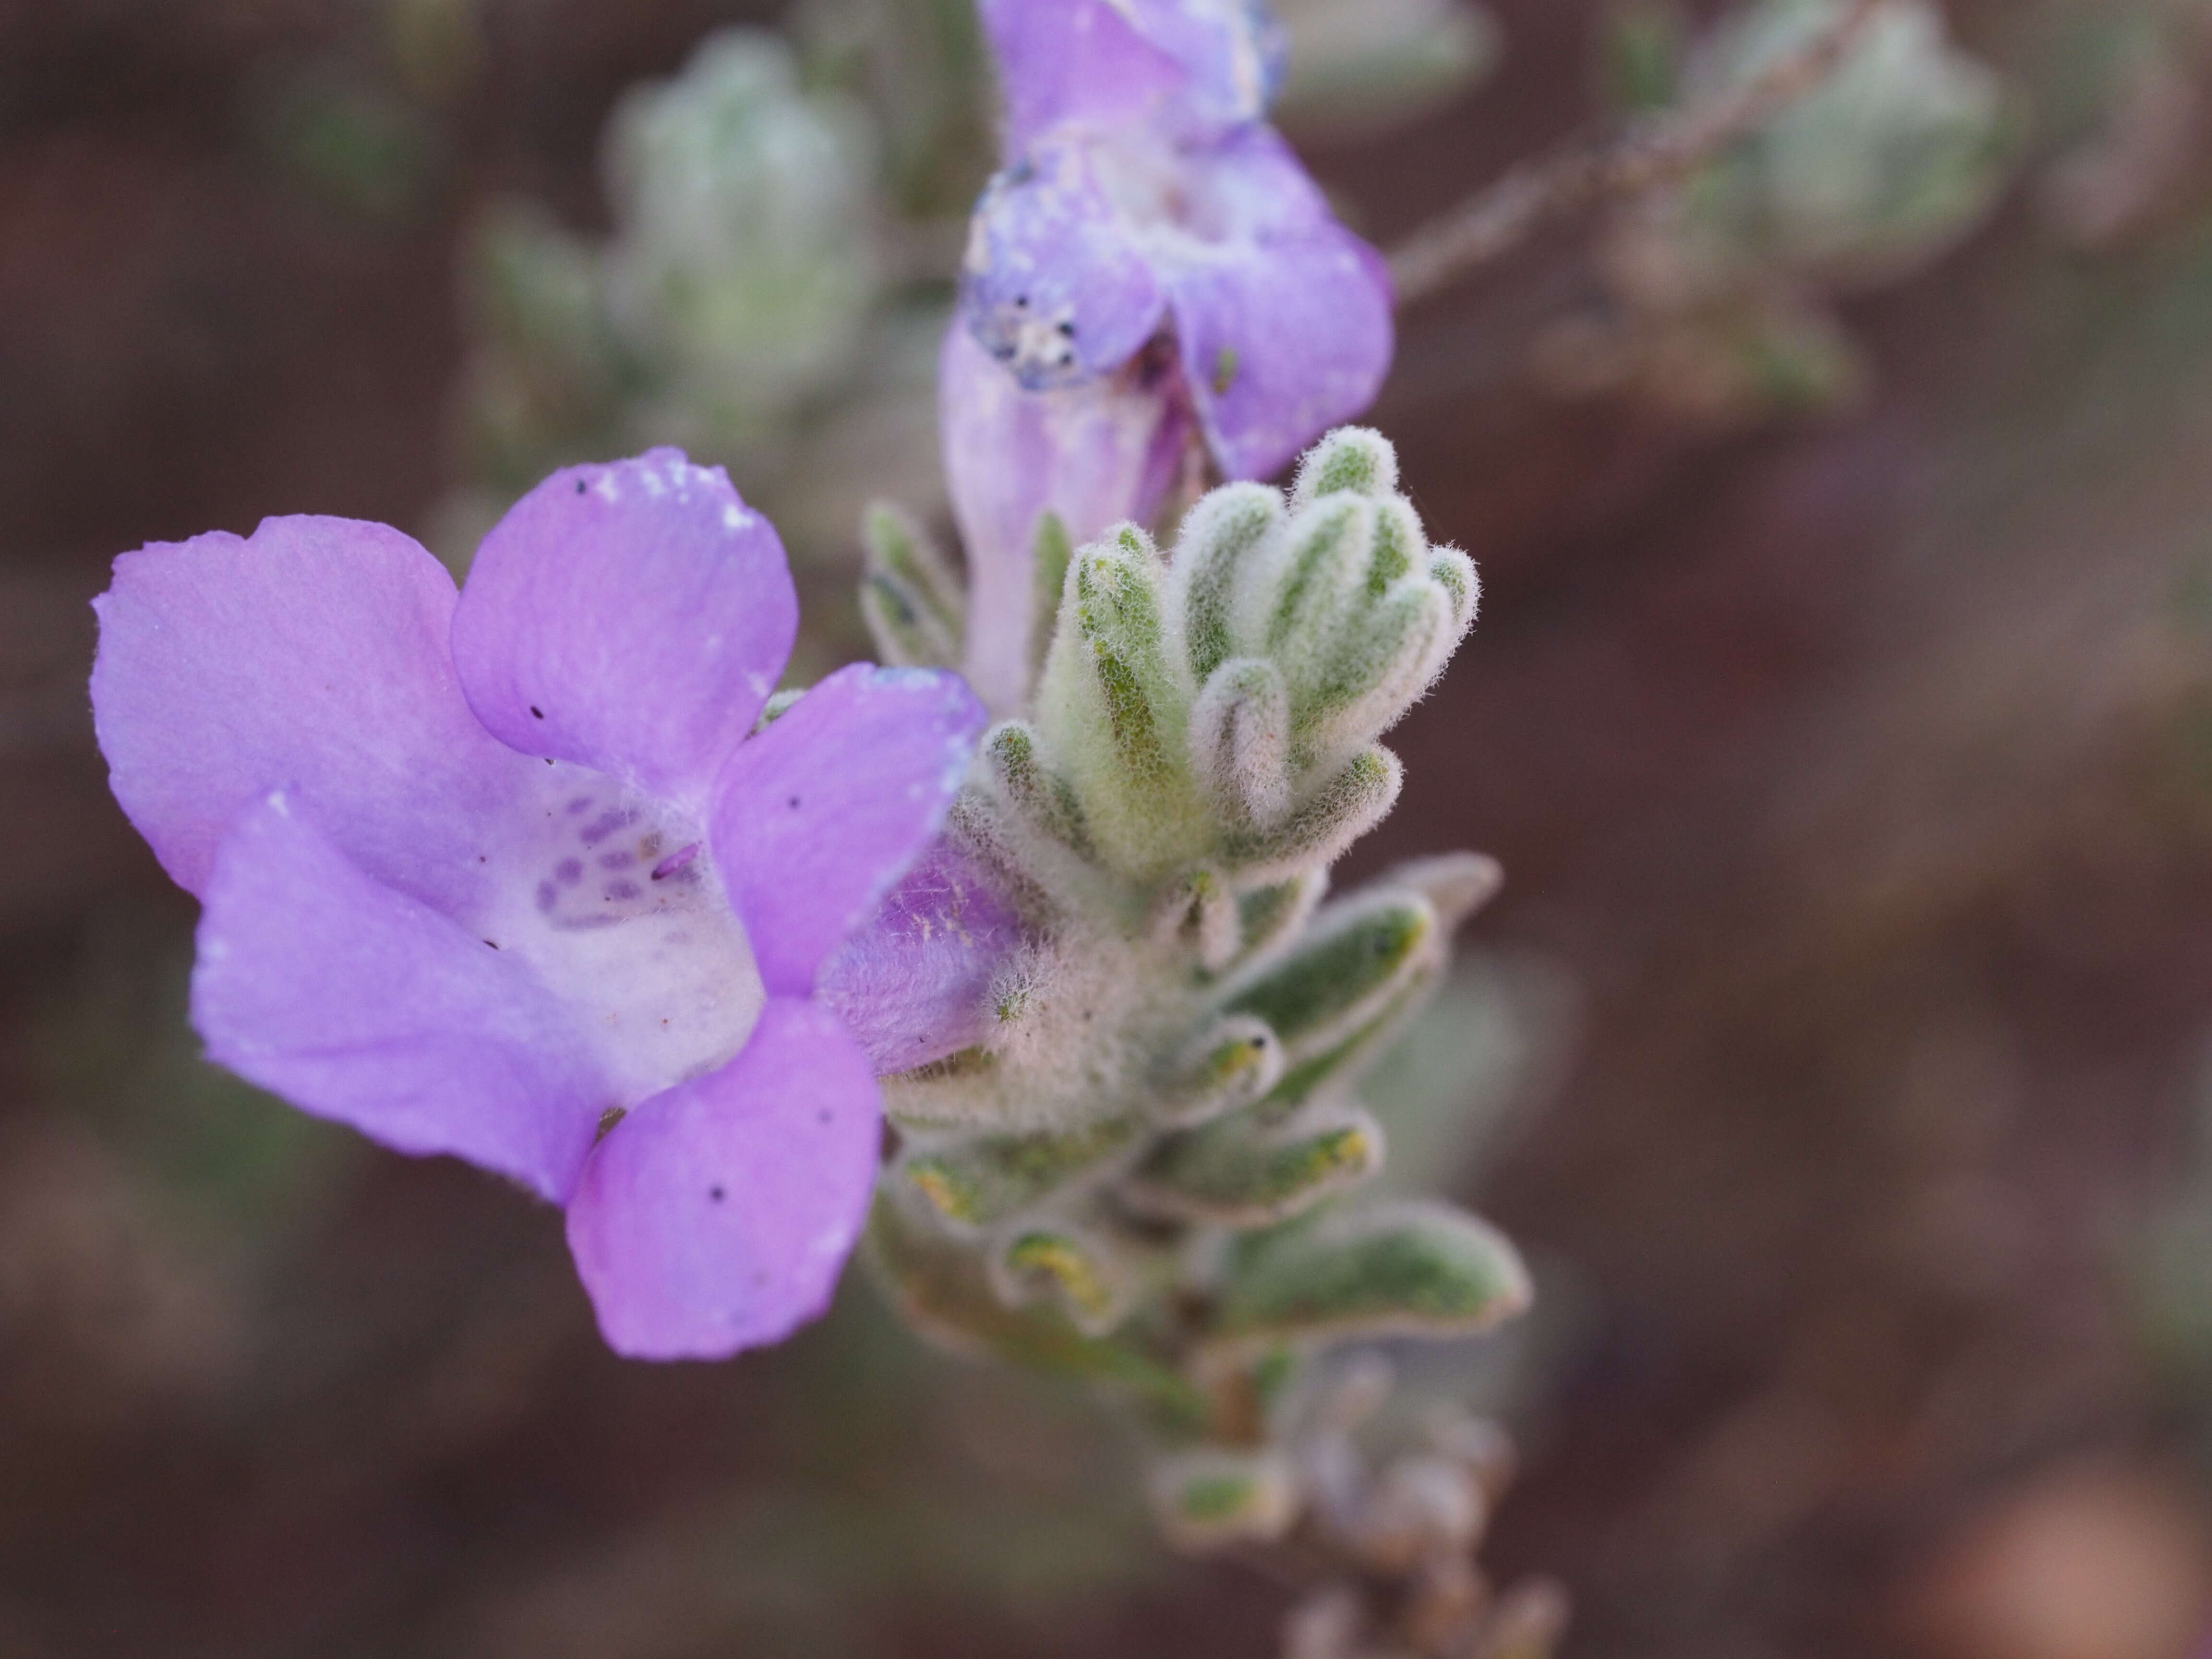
{"x":355,"y":1002}
{"x":719,"y":1214}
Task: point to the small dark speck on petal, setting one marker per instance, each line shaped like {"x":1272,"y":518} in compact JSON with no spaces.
{"x":579,"y":486}
{"x":794,"y":803}
{"x":819,"y":1117}
{"x":536,"y":712}
{"x":493,"y":943}
{"x":715,"y":1193}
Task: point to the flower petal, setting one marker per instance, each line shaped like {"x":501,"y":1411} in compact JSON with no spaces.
{"x":1052,"y":285}
{"x":357,"y":1003}
{"x":1283,"y":316}
{"x":631,"y":617}
{"x":1094,"y":454}
{"x":816,"y":817}
{"x":1233,"y":54}
{"x":1074,"y":60}
{"x":718,"y":1215}
{"x":914,"y":984}
{"x":1186,"y":65}
{"x":311,"y":654}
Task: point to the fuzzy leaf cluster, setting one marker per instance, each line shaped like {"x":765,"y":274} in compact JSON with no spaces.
{"x":1143,"y":1177}
{"x":1219,"y":705}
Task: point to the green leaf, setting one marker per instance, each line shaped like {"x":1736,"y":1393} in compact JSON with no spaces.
{"x":1233,"y":1061}
{"x":1045,"y":803}
{"x":1336,"y":1067}
{"x":1358,"y":458}
{"x":976,"y":1181}
{"x":1356,"y":958}
{"x":1211,"y":1496}
{"x":1198,"y":913}
{"x":1112,"y":711}
{"x":1454,"y":572}
{"x":1242,"y":1170}
{"x":1295,"y":599}
{"x":1455,"y":885}
{"x":1076,"y":1269}
{"x":913,"y":601}
{"x":1240,"y":744}
{"x":941,"y":1288}
{"x":1218,"y":534}
{"x":1403,"y":1269}
{"x":1347,"y":807}
{"x":1370,"y":670}
{"x":1052,"y":551}
{"x":1265,"y":916}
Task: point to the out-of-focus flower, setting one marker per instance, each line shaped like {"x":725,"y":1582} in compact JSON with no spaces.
{"x":1719,"y":287}
{"x":502,"y":874}
{"x":2149,"y":161}
{"x":1879,"y":169}
{"x":1152,"y":260}
{"x":737,"y":287}
{"x":747,"y":261}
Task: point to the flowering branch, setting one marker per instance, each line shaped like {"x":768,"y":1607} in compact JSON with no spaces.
{"x":1500,"y":217}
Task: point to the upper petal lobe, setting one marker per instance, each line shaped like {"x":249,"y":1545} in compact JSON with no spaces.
{"x":1053,"y":286}
{"x":816,"y":818}
{"x":718,"y":1214}
{"x":631,"y":617}
{"x":1283,"y":316}
{"x":313,"y":655}
{"x":1190,"y":66}
{"x":1074,"y":60}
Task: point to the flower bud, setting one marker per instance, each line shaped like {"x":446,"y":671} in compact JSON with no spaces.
{"x":913,"y":601}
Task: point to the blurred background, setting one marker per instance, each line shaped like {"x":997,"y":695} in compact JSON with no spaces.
{"x":1840,"y":1052}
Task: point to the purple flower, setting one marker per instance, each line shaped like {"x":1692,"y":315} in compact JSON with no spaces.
{"x":487,"y":873}
{"x":1144,"y":204}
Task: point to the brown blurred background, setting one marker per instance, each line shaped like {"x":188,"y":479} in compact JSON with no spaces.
{"x":1856,"y":773}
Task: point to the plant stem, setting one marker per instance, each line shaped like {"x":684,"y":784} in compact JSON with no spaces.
{"x":1498,"y":218}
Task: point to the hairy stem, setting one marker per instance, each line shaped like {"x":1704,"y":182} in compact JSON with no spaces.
{"x":1498,"y":218}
